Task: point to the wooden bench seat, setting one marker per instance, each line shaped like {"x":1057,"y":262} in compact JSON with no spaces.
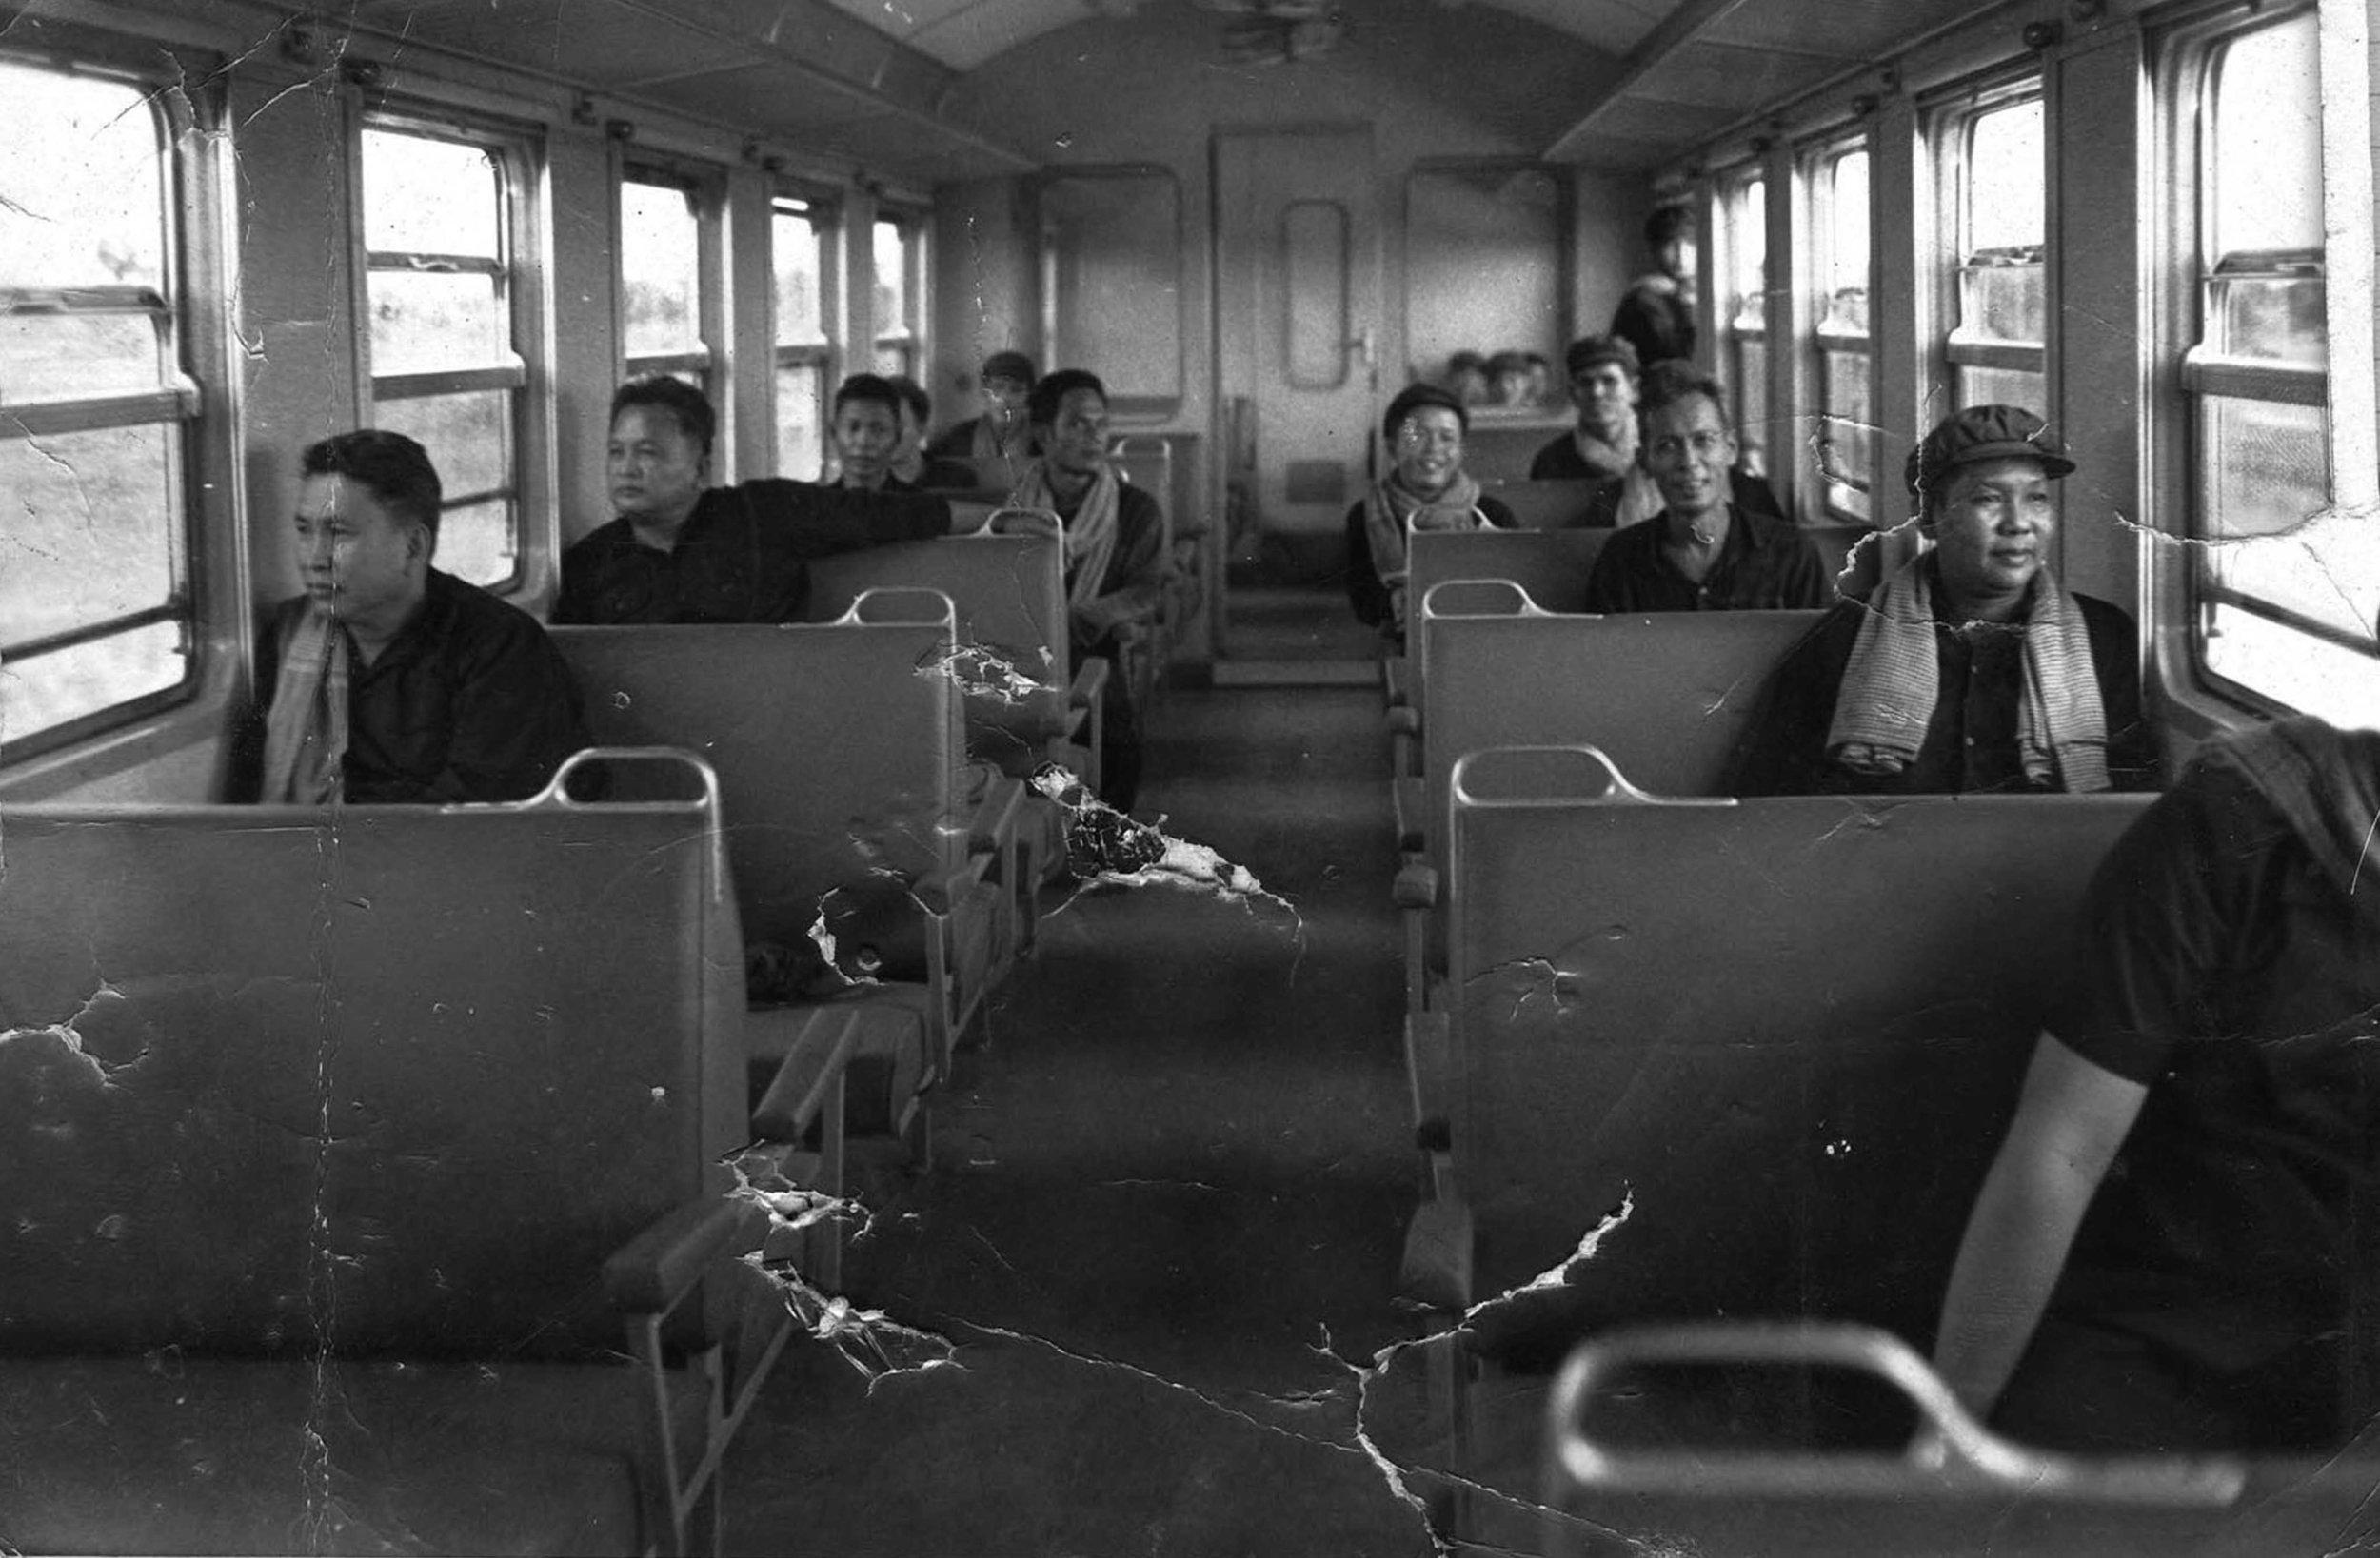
{"x":847,"y":822}
{"x":317,"y":1130}
{"x":1789,"y":1030}
{"x":1666,"y":695}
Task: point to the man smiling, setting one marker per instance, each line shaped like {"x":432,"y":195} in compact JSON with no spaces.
{"x":1970,"y":669}
{"x":1703,"y":551}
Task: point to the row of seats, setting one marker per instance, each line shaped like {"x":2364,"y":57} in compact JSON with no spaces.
{"x":1761,"y":1025}
{"x":336,"y":1144}
{"x":1146,"y":461}
{"x":363,"y":1113}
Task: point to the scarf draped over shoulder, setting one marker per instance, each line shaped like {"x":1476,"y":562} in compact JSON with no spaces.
{"x":1090,"y":535}
{"x":306,"y":727}
{"x":1893,"y":681}
{"x":1393,"y":511}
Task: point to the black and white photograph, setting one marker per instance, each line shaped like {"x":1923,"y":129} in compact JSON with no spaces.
{"x":1190,"y":778}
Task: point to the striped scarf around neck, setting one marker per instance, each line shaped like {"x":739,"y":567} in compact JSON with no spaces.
{"x":306,"y":727}
{"x":1893,"y":681}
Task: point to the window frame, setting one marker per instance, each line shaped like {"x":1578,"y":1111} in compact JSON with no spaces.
{"x":1815,"y":167}
{"x":909,"y":340}
{"x":824,"y":213}
{"x":2195,"y":376}
{"x":518,"y":154}
{"x":1949,"y":142}
{"x":705,"y":194}
{"x":1741,"y":318}
{"x":198,"y":488}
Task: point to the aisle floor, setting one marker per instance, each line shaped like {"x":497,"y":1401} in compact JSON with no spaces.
{"x":1165,"y":1210}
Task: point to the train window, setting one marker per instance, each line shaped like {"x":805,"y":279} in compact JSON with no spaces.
{"x":1842,"y":350}
{"x":801,"y":251}
{"x":665,"y":305}
{"x":94,"y":587}
{"x":2286,"y":621}
{"x":1744,"y":251}
{"x":1992,"y":168}
{"x":439,"y":217}
{"x":900,"y":293}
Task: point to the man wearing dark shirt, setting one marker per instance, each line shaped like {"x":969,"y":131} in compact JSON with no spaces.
{"x":1003,"y":432}
{"x":390,"y":680}
{"x":1969,"y":669}
{"x":1115,"y":563}
{"x":865,"y":425}
{"x":911,"y":463}
{"x":2189,"y":1188}
{"x":1657,"y":315}
{"x":1701,"y":552}
{"x":681,"y":552}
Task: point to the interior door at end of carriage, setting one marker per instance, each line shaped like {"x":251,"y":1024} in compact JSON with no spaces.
{"x":1298,"y":277}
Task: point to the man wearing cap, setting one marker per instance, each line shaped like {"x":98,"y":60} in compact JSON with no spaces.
{"x":1001,"y":433}
{"x":2175,"y":1248}
{"x":1426,"y":488}
{"x":1970,"y":669}
{"x":1603,"y":371}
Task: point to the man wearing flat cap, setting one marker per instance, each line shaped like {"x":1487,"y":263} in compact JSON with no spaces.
{"x":1602,"y":371}
{"x":1971,"y":669}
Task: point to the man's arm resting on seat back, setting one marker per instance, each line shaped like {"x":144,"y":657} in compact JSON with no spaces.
{"x":820,"y":522}
{"x":2071,"y":1120}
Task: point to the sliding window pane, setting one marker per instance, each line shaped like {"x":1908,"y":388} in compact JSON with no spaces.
{"x":46,"y":690}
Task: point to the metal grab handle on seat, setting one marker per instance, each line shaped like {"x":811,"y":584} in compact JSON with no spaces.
{"x":1952,"y":1454}
{"x":557,"y":791}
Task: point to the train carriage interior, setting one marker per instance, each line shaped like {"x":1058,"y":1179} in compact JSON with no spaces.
{"x":990,"y":1062}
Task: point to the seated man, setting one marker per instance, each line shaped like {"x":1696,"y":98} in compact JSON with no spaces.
{"x":1426,"y":488}
{"x":1115,"y":548}
{"x":865,"y":427}
{"x":1702,"y":551}
{"x":1003,"y":431}
{"x":911,"y":463}
{"x":2188,"y":1188}
{"x":388,"y":680}
{"x":1604,"y":382}
{"x":1970,"y":669}
{"x":683,"y":552}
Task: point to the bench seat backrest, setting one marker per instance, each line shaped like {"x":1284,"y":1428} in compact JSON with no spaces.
{"x":1549,"y":565}
{"x":837,"y":745}
{"x":1547,"y":505}
{"x":1010,"y":595}
{"x":391,"y":1078}
{"x":1791,"y":1028}
{"x":1667,"y":696}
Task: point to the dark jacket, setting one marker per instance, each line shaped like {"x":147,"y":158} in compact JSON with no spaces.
{"x":1765,"y":564}
{"x":741,"y":555}
{"x":469,"y":702}
{"x":1970,"y":741}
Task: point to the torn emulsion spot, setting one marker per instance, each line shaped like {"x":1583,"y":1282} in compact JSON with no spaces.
{"x":1540,"y":978}
{"x":1367,"y":1375}
{"x":1106,"y":845}
{"x":871,"y":1341}
{"x":66,"y":1036}
{"x":978,"y":670}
